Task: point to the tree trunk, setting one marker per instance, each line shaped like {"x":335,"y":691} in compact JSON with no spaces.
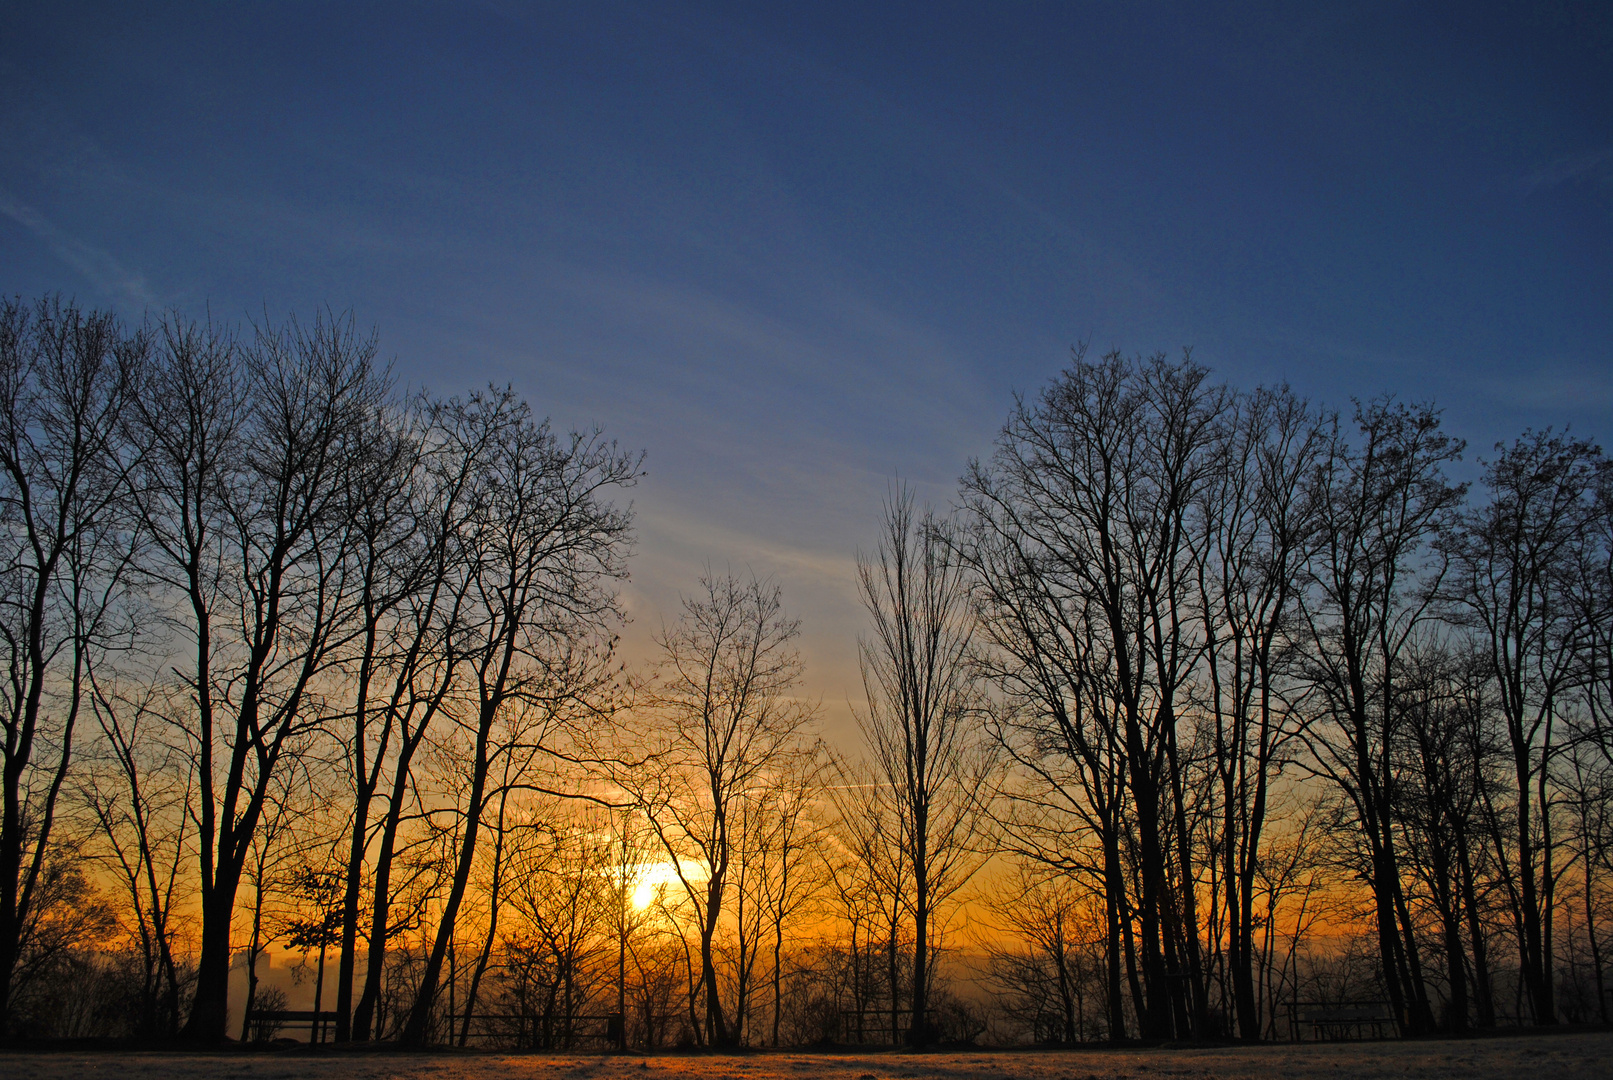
{"x":252,"y":952}
{"x":918,"y":1032}
{"x":418,"y":1028}
{"x":210,"y":1009}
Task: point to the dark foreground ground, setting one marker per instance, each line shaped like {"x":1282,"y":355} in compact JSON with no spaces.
{"x":1530,"y":1057}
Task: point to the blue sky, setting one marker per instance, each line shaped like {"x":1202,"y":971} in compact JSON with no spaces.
{"x":795,"y":250}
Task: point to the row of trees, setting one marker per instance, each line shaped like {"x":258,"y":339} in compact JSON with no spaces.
{"x":297,"y":660}
{"x":1232,"y":635}
{"x":1201,"y":702}
{"x":231,"y":561}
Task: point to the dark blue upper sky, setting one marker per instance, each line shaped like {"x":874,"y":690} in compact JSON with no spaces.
{"x":793,"y":250}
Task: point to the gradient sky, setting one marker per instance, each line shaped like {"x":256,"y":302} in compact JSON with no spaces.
{"x":794,"y":250}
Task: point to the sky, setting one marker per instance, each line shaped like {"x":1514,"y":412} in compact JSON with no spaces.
{"x":797,"y":251}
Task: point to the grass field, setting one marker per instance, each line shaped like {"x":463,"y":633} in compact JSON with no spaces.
{"x":1531,"y":1057}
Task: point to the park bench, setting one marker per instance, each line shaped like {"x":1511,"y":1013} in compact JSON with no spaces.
{"x":1337,"y":1021}
{"x":872,"y":1026}
{"x":274,"y":1019}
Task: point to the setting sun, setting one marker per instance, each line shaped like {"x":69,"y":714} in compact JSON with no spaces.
{"x":652,"y":879}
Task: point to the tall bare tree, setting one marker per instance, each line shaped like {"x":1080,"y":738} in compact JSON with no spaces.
{"x":246,"y":464}
{"x":66,"y":378}
{"x":1384,"y":501}
{"x":921,"y":719}
{"x":546,"y":551}
{"x":1080,"y":546}
{"x":1516,"y":559}
{"x":391,"y":562}
{"x":417,"y":663}
{"x":1253,"y":525}
{"x":725,"y":720}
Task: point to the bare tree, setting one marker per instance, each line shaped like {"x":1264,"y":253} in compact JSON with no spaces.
{"x":1440,"y":701}
{"x":546,"y":551}
{"x":1376,"y":573}
{"x":1590,"y":590}
{"x":66,"y":377}
{"x":392,"y":568}
{"x":921,"y":717}
{"x":417,"y":664}
{"x":247,"y":458}
{"x":872,"y":875}
{"x":1055,"y":960}
{"x":1078,"y":543}
{"x":275,"y":846}
{"x":630,"y":844}
{"x":560,"y":896}
{"x":725,"y":722}
{"x":1593,"y":592}
{"x":1587,"y":786}
{"x":1516,"y":559}
{"x":792,"y":857}
{"x":1253,"y":525}
{"x":495,"y":889}
{"x":141,"y":806}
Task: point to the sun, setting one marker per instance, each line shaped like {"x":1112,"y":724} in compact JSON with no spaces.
{"x":651,"y":879}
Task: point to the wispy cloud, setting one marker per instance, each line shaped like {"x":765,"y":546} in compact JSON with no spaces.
{"x":95,"y":264}
{"x":1570,"y":168}
{"x":836,"y":341}
{"x":819,"y":584}
{"x":1558,"y":388}
{"x":766,"y":555}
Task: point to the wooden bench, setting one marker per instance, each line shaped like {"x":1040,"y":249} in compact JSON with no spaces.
{"x":1335,"y":1022}
{"x":315,"y":1022}
{"x":872,"y":1026}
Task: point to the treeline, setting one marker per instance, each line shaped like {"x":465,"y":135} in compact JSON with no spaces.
{"x":258,"y":608}
{"x":1199,"y":705}
{"x":1269,"y":676}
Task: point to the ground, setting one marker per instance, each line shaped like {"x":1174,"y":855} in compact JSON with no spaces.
{"x":1533,"y":1057}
